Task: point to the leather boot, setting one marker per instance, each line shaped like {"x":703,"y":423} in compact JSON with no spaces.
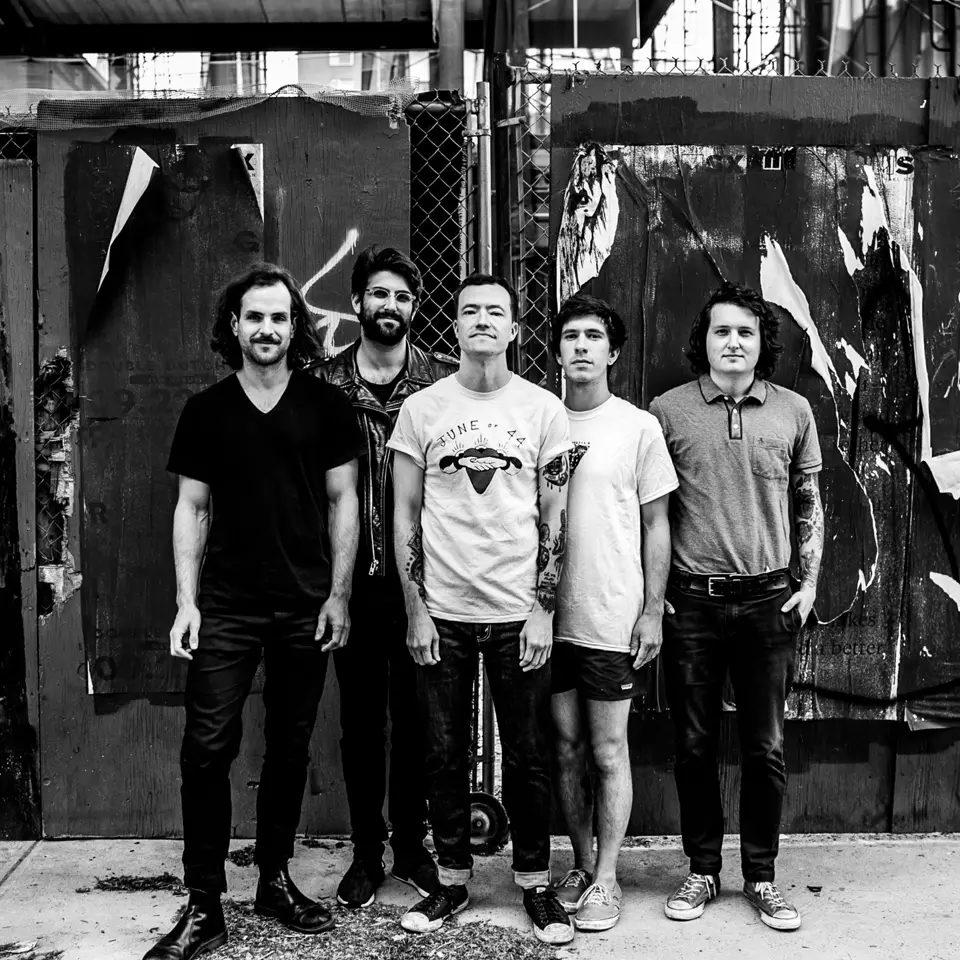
{"x":278,"y":897}
{"x":200,"y":929}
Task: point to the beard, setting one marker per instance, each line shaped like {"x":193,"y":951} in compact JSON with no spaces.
{"x":370,"y":323}
{"x":251,"y":353}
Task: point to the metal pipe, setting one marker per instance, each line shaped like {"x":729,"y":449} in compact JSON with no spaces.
{"x":484,"y":179}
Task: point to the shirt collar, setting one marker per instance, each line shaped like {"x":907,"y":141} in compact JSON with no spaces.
{"x":711,"y":392}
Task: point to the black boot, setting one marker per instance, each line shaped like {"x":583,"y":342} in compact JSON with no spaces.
{"x":278,"y":897}
{"x":199,"y":930}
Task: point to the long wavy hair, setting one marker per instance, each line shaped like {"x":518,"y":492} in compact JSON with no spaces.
{"x":749,"y":299}
{"x":305,"y":344}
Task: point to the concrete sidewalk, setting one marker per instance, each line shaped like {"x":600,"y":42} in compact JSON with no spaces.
{"x":879,"y":897}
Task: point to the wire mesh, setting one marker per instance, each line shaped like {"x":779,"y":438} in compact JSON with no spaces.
{"x":18,"y":145}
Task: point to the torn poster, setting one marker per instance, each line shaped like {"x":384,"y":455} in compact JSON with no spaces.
{"x":251,"y":156}
{"x":591,"y":212}
{"x":138,"y":179}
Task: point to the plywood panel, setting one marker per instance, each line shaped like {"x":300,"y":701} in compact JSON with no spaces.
{"x":927,"y":790}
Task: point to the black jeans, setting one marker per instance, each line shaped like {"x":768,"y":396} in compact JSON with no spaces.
{"x":702,"y":639}
{"x":375,"y":669}
{"x":218,"y":681}
{"x":522,"y":704}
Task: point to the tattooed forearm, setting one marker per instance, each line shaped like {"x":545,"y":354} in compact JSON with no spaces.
{"x":808,"y":512}
{"x":415,"y":561}
{"x":557,"y":471}
{"x":547,"y":593}
{"x":560,"y":543}
{"x":543,"y":551}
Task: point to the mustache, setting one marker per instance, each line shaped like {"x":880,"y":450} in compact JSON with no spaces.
{"x":271,"y":340}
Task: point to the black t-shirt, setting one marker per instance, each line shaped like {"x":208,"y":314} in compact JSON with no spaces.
{"x":268,"y":545}
{"x":384,"y":391}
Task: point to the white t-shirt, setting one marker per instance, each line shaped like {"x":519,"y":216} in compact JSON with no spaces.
{"x":480,"y":453}
{"x":619,"y":461}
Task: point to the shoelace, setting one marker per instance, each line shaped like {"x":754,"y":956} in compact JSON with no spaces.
{"x":768,"y":891}
{"x":597,"y":894}
{"x":437,"y":900}
{"x":692,"y":886}
{"x":573,"y":879}
{"x":547,"y":909}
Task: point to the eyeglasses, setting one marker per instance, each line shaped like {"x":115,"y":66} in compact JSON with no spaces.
{"x":401,"y":297}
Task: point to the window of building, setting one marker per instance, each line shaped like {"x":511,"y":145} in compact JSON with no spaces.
{"x":342,"y":59}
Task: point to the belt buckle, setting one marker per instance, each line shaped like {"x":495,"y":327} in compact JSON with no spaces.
{"x":710,"y":580}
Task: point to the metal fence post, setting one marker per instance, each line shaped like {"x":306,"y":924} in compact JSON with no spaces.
{"x":484,"y":179}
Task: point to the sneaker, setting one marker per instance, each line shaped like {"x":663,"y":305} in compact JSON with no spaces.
{"x":691,"y":897}
{"x":550,"y":921}
{"x":419,"y":871}
{"x":358,"y":888}
{"x":428,"y":915}
{"x":774,"y":910}
{"x":600,"y":908}
{"x":571,"y":888}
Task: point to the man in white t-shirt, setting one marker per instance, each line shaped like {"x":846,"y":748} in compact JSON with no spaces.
{"x":610,"y":600}
{"x":480,"y":485}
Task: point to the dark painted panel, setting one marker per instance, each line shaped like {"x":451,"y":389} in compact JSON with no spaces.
{"x":927,"y":790}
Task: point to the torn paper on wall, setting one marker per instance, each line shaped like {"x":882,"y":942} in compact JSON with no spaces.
{"x":251,"y":156}
{"x":588,"y":226}
{"x":138,"y":179}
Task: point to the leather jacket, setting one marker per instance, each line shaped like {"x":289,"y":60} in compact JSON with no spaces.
{"x":377,"y":422}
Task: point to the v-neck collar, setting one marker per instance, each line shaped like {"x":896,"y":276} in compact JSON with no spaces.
{"x":280,"y":399}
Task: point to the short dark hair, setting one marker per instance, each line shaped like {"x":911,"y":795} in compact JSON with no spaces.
{"x":582,"y":305}
{"x":489,"y":280}
{"x":749,"y":299}
{"x":305,"y":344}
{"x":374,"y":259}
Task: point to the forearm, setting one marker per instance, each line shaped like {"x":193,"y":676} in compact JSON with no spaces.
{"x":808,"y":514}
{"x":656,"y":565}
{"x":408,"y":547}
{"x":344,"y":521}
{"x":551,"y":550}
{"x":190,"y":530}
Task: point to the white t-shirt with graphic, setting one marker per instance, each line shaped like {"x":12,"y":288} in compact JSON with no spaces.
{"x":619,"y":461}
{"x":480,"y":453}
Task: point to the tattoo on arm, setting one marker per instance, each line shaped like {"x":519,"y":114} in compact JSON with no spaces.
{"x":415,"y":563}
{"x":560,"y":544}
{"x":547,"y":593}
{"x":543,"y":551}
{"x":557,"y":471}
{"x":808,"y":512}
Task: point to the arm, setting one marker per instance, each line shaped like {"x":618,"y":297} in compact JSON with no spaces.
{"x":808,"y":516}
{"x":191,"y":525}
{"x":343,"y":519}
{"x":423,"y":641}
{"x":536,"y":638}
{"x":647,"y":633}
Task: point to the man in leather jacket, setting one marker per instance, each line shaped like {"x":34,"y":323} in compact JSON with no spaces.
{"x":378,"y":372}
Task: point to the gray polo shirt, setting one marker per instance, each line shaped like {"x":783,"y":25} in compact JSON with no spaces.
{"x":731,"y":512}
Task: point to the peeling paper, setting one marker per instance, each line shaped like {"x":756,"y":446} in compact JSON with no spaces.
{"x":138,"y":179}
{"x":591,"y":213}
{"x":251,"y":156}
{"x":64,"y":578}
{"x":948,"y":585}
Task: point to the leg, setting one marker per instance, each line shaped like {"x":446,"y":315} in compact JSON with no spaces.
{"x":295,"y":673}
{"x":574,"y":789}
{"x":218,"y":682}
{"x":695,"y":664}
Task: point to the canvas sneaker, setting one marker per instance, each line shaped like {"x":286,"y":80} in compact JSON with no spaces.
{"x":428,"y":915}
{"x":600,"y":908}
{"x":550,"y":921}
{"x":571,"y":888}
{"x":691,"y":897}
{"x":418,"y":871}
{"x":358,"y":888}
{"x":774,"y":910}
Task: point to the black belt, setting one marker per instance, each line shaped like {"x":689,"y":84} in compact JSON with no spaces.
{"x":732,"y":585}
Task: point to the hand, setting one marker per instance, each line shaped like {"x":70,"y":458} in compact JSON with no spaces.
{"x":536,"y":641}
{"x":423,"y":641}
{"x":186,"y":624}
{"x":646,"y":638}
{"x":803,"y":600}
{"x":669,"y":608}
{"x":335,"y":617}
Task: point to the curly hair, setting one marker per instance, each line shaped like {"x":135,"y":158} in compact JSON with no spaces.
{"x":582,"y":305}
{"x":305,"y":344}
{"x":376,"y":259}
{"x":749,"y":299}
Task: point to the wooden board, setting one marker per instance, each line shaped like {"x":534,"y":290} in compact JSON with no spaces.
{"x":927,"y":789}
{"x":111,"y":761}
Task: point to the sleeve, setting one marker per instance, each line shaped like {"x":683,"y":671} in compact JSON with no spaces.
{"x":656,"y":476}
{"x":806,"y":451}
{"x":192,"y":452}
{"x":344,"y":438}
{"x":405,"y":437}
{"x":555,"y":437}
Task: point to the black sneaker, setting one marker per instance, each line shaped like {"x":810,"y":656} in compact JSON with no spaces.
{"x":550,"y":921}
{"x":428,"y":915}
{"x":358,"y":888}
{"x":418,"y":870}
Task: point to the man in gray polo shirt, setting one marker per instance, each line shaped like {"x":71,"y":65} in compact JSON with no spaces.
{"x":743,"y":448}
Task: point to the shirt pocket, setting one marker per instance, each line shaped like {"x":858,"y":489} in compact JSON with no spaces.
{"x":770,"y":459}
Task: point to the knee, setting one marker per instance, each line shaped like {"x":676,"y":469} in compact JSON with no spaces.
{"x":570,"y":752}
{"x":610,"y":756}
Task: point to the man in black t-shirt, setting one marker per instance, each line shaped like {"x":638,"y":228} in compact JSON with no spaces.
{"x":265,"y":538}
{"x":378,"y":373}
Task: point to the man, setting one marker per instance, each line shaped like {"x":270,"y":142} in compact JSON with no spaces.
{"x":378,"y":373}
{"x":610,"y":601}
{"x":275,"y":451}
{"x":481,"y":465}
{"x":744,"y":448}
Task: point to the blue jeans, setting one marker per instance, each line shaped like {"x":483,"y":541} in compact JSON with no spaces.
{"x":522,"y":704}
{"x":704,"y":638}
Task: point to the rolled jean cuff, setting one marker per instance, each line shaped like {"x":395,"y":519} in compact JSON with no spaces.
{"x":452,"y":877}
{"x":529,"y":881}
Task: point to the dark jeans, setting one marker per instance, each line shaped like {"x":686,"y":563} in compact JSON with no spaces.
{"x":375,"y":669}
{"x":522,"y":704}
{"x":757,"y":642}
{"x":218,"y":681}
